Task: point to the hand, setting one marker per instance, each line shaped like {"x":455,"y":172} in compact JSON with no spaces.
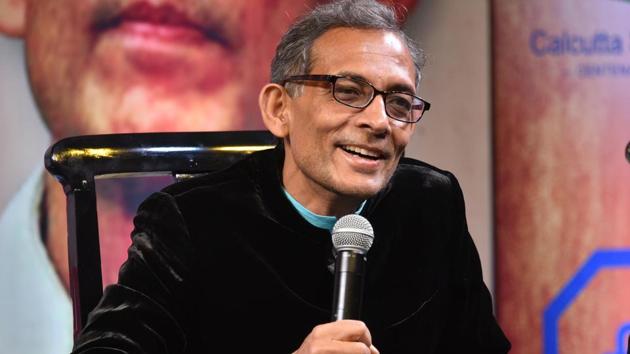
{"x":340,"y":337}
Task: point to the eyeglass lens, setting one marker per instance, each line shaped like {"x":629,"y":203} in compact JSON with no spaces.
{"x":358,"y":94}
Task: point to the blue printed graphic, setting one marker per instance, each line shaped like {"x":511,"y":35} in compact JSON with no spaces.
{"x":622,"y":339}
{"x":543,"y":43}
{"x":600,"y":259}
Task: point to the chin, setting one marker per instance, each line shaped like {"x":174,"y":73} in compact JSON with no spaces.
{"x":362,"y":191}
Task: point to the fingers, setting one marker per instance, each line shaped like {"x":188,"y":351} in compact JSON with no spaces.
{"x":373,"y":350}
{"x":345,"y":330}
{"x":345,"y":336}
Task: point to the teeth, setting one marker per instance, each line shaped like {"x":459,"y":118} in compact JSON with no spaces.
{"x":360,"y":151}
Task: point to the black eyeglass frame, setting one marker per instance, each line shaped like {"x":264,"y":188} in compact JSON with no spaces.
{"x":333,"y":80}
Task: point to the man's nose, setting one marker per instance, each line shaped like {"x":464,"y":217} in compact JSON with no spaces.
{"x":375,"y":118}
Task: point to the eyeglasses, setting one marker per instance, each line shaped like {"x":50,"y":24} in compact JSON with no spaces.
{"x":357,"y":93}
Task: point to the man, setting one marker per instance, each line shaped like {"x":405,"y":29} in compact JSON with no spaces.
{"x":238,"y":261}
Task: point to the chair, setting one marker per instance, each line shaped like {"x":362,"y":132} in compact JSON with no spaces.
{"x":76,"y":161}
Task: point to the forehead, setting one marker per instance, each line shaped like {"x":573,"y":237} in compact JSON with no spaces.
{"x":379,"y":56}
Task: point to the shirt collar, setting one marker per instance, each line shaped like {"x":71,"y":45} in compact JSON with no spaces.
{"x":321,"y":221}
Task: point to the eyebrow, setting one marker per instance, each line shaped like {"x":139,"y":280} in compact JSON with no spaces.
{"x":395,"y":87}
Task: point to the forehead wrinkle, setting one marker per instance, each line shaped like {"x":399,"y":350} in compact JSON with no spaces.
{"x":388,"y":51}
{"x":397,"y":86}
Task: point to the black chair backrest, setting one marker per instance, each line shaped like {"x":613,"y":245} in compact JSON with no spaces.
{"x":76,"y":161}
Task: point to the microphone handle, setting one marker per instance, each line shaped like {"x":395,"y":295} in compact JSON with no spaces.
{"x":348,"y":291}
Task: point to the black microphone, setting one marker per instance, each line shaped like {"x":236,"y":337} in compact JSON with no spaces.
{"x":352,"y":238}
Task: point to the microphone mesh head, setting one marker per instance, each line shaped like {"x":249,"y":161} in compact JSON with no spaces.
{"x":354,"y":233}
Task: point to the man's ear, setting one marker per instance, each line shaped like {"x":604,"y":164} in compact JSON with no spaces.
{"x":12,"y":17}
{"x":273,"y":101}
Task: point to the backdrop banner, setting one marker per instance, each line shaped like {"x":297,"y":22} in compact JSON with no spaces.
{"x":561,"y":72}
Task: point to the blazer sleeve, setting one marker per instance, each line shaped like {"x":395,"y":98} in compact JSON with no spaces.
{"x":471,"y":318}
{"x":147,"y":311}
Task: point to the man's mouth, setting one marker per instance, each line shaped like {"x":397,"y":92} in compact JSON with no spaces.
{"x":164,"y":22}
{"x":362,"y":152}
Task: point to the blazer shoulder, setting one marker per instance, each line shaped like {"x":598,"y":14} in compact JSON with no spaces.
{"x":211,"y":181}
{"x":412,"y":172}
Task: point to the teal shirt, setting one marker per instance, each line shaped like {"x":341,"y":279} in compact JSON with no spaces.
{"x":322,"y":221}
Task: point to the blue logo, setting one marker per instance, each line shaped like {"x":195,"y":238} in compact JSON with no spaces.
{"x":600,"y":260}
{"x":601,"y":43}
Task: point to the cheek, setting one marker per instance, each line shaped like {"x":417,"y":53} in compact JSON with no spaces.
{"x":56,"y":42}
{"x":57,"y":28}
{"x":401,"y":136}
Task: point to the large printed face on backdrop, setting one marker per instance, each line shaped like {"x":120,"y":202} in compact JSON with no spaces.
{"x":101,"y":66}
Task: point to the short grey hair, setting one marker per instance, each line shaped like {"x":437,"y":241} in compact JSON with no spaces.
{"x":293,"y":53}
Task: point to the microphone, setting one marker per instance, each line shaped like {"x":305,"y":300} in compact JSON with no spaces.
{"x":352,"y":238}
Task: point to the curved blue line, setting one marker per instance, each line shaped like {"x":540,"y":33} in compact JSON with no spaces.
{"x":622,"y":333}
{"x":621,"y":338}
{"x":600,"y":259}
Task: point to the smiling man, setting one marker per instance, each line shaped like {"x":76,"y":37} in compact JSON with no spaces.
{"x":337,"y":156}
{"x":239,"y":261}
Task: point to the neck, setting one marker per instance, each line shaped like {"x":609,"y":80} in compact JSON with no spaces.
{"x":318,"y":199}
{"x":56,"y":230}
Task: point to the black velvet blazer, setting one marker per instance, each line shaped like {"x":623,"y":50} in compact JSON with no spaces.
{"x":224,"y":264}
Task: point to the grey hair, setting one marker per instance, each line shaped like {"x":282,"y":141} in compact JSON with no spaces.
{"x":293,"y":53}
